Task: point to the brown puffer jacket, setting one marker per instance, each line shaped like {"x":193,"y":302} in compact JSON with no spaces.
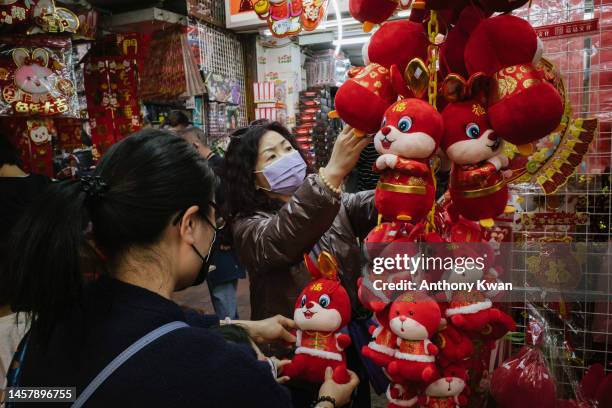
{"x":271,"y":245}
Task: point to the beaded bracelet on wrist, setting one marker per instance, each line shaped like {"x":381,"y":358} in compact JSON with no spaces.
{"x":335,"y":190}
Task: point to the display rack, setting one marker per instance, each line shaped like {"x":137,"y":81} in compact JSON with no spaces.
{"x":221,"y":52}
{"x":581,"y":58}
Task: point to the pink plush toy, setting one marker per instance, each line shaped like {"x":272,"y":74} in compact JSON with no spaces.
{"x":414,"y":318}
{"x":523,"y":106}
{"x":321,"y":310}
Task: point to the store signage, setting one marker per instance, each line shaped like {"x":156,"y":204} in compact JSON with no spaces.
{"x":240,"y":14}
{"x":568,"y":29}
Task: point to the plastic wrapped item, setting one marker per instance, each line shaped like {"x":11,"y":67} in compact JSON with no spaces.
{"x":524,"y":380}
{"x":36,"y":77}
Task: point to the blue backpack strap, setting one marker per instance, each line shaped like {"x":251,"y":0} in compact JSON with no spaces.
{"x":123,"y":357}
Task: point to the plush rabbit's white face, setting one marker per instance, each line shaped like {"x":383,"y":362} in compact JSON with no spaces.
{"x":316,"y":314}
{"x":445,"y":387}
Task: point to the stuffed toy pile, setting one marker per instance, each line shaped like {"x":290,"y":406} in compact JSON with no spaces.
{"x":458,"y":100}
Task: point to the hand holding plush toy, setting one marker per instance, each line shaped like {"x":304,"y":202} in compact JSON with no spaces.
{"x":410,"y":134}
{"x":414,"y":318}
{"x":477,"y":187}
{"x":321,"y":310}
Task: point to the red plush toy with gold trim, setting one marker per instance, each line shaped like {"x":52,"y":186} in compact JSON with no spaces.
{"x":523,"y":106}
{"x":414,"y":318}
{"x":362,"y":100}
{"x":477,"y":188}
{"x":321,"y":310}
{"x":410,"y":134}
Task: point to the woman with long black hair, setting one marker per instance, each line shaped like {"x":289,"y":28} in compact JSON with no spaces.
{"x":149,"y":209}
{"x":279,"y":212}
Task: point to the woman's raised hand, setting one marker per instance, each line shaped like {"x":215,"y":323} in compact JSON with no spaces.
{"x":344,"y":156}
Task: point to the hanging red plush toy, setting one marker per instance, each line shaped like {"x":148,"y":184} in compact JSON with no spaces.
{"x":397,"y":43}
{"x":409,"y":136}
{"x":414,"y":318}
{"x":371,"y":12}
{"x":362,"y":100}
{"x":523,"y":106}
{"x":321,"y":310}
{"x":477,"y":188}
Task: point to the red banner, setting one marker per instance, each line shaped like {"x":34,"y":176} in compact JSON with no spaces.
{"x":567,"y":29}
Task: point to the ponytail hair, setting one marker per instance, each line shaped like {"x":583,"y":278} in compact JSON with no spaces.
{"x":144,"y":181}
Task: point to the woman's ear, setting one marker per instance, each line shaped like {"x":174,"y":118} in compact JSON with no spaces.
{"x":188,"y":223}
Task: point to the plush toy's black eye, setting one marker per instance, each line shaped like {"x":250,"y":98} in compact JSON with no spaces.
{"x":397,"y":312}
{"x":404,"y":124}
{"x":324,"y":301}
{"x":411,"y":313}
{"x":384,"y":123}
{"x":472,"y":131}
{"x":303,"y":302}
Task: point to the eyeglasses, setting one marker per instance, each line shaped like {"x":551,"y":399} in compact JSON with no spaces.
{"x":217,"y":226}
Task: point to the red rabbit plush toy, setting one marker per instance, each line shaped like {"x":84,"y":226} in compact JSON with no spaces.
{"x":477,"y":188}
{"x":523,"y":106}
{"x":362,"y":100}
{"x":410,"y":134}
{"x":321,"y":310}
{"x":472,"y":310}
{"x":448,"y":391}
{"x":414,"y":318}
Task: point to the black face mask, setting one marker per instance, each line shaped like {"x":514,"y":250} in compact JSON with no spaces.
{"x":205,"y":260}
{"x":205,"y":266}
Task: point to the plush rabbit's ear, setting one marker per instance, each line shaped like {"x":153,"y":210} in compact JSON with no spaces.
{"x":41,"y":55}
{"x":478,"y":87}
{"x":454,"y":88}
{"x":312,"y":267}
{"x":328,"y":266}
{"x":416,"y":76}
{"x":20,"y":55}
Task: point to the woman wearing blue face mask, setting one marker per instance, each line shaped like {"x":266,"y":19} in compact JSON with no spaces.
{"x":279,"y":212}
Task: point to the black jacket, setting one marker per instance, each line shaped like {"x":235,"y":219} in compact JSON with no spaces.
{"x":190,"y":367}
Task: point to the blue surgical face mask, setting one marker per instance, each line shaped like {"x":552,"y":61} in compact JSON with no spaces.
{"x":286,"y":174}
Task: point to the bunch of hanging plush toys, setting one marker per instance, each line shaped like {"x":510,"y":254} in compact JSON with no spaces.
{"x":459,"y":99}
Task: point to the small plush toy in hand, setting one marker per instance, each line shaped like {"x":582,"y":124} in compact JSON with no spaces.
{"x":321,"y":310}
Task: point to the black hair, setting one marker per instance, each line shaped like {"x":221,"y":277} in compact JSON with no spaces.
{"x":177,"y":117}
{"x":150,"y":176}
{"x":8,"y":153}
{"x":242,"y":197}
